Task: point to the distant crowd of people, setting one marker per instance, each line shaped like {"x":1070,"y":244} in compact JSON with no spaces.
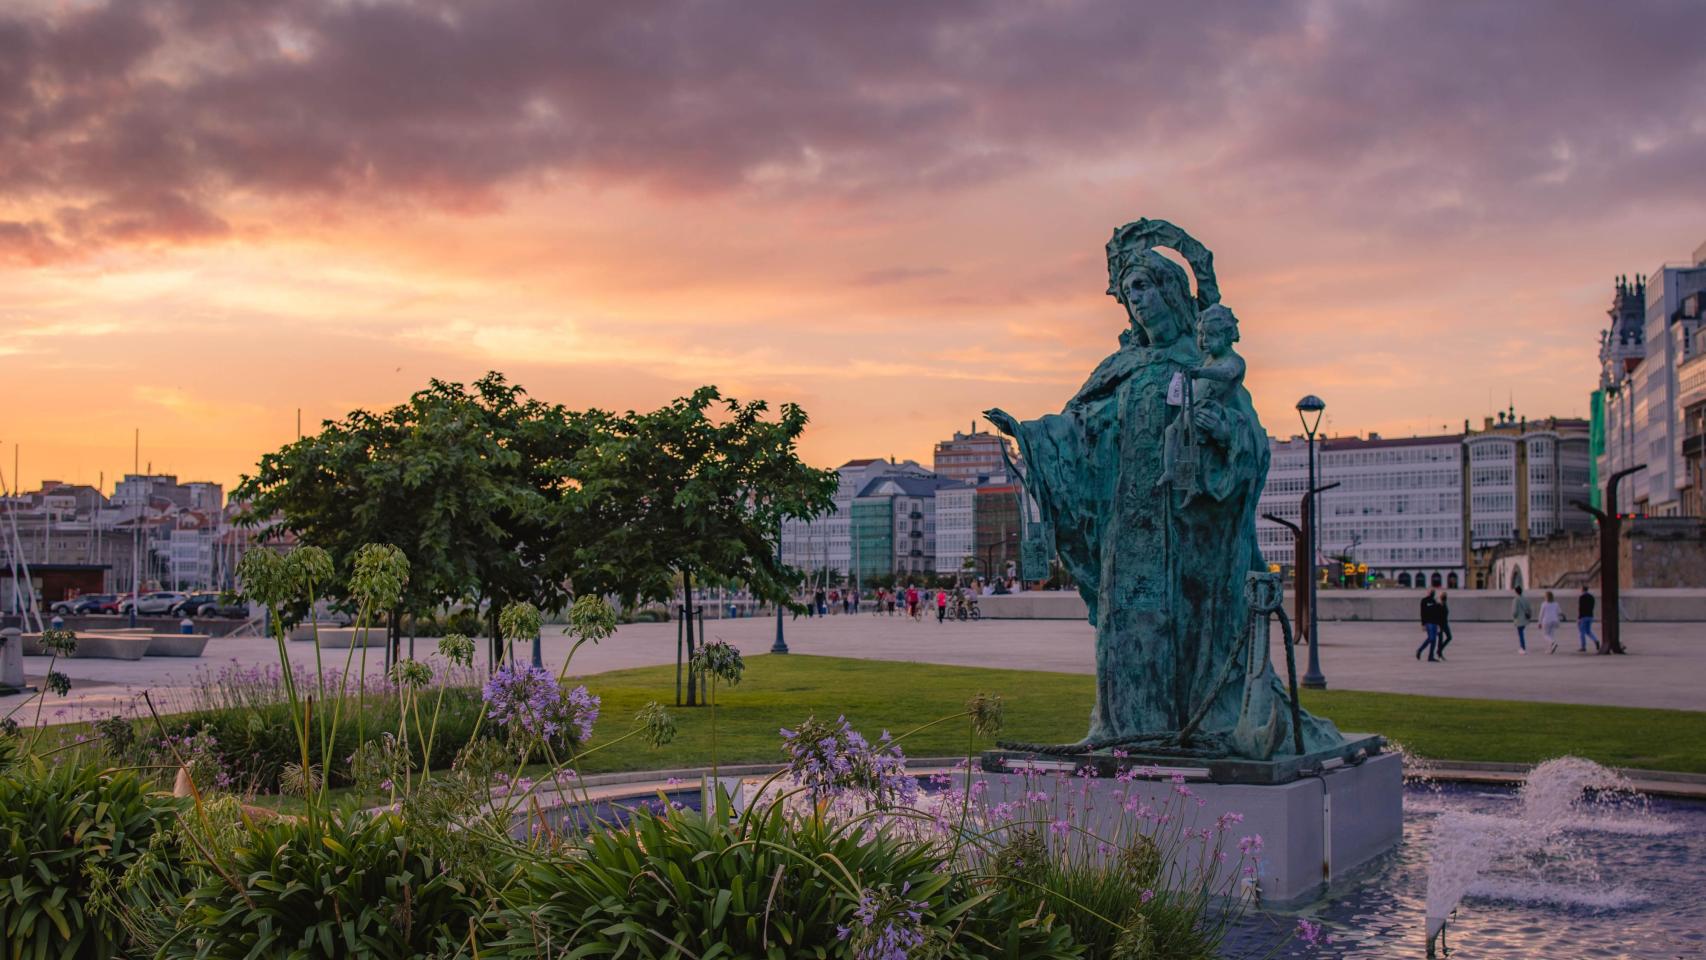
{"x":1436,"y":622}
{"x":911,"y":600}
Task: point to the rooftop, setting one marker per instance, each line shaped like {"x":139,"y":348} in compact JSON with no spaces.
{"x":1508,"y":428}
{"x":1374,"y":440}
{"x":911,"y":485}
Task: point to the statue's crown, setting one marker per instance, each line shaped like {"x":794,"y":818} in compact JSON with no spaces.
{"x":1136,"y":238}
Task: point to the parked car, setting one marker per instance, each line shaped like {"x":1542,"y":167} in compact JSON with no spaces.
{"x":235,"y":610}
{"x":84,"y":604}
{"x":193,"y":604}
{"x":152,"y":604}
{"x":96,"y":603}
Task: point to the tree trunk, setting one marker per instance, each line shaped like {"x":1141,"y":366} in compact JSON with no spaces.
{"x":496,"y":634}
{"x":687,"y":608}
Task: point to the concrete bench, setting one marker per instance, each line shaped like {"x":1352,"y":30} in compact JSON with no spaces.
{"x":177,"y":644}
{"x":111,"y":646}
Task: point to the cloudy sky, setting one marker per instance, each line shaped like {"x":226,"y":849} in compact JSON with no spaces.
{"x":215,"y":212}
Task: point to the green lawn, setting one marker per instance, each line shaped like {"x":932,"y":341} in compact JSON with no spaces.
{"x":874,"y":695}
{"x":1513,"y":731}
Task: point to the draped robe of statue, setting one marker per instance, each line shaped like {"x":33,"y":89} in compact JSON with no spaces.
{"x":1162,"y":570}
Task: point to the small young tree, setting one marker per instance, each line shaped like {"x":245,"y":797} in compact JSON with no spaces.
{"x":697,"y":488}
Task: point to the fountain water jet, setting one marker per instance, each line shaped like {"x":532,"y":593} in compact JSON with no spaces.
{"x":1466,"y":845}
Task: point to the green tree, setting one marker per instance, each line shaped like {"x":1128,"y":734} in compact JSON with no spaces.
{"x":462,"y":480}
{"x":698,"y":488}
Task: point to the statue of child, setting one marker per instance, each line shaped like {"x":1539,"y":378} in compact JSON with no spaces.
{"x":1202,"y":396}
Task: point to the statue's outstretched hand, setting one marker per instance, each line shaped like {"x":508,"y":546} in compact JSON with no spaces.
{"x":1003,"y":421}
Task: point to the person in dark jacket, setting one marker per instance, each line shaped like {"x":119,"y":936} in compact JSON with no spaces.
{"x":1584,"y":620}
{"x":1430,"y":623}
{"x":1444,"y":620}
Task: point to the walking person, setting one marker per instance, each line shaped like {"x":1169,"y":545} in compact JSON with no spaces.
{"x":1521,"y":616}
{"x":1550,"y":616}
{"x":1584,"y":620}
{"x":1444,"y":625}
{"x":941,"y":606}
{"x":821,"y":603}
{"x":1430,"y":624}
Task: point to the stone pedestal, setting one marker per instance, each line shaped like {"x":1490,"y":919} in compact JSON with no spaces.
{"x":12,"y":658}
{"x":1314,"y":828}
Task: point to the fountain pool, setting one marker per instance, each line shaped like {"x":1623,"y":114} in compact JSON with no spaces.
{"x":1616,"y":880}
{"x":1618,"y":876}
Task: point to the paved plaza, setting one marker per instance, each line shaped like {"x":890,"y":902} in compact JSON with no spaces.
{"x":1664,"y":670}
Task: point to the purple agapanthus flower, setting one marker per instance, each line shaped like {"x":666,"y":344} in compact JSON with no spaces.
{"x":581,"y":712}
{"x":887,"y":925}
{"x":832,"y":759}
{"x":527,"y":699}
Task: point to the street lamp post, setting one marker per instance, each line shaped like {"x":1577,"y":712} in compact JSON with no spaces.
{"x":1309,"y":411}
{"x":781,"y":645}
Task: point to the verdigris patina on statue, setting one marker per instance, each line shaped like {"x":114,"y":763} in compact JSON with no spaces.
{"x":1149,"y":480}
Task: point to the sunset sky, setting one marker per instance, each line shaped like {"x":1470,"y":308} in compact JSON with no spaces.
{"x":215,"y":212}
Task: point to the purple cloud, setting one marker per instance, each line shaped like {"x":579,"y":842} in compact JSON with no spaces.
{"x":137,"y":123}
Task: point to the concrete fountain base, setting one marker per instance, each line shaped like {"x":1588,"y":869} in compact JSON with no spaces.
{"x":1323,"y":822}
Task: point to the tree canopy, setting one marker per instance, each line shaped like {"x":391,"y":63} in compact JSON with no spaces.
{"x":497,"y":497}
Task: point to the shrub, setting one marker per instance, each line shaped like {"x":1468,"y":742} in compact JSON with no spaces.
{"x":465,"y":621}
{"x":645,"y":615}
{"x":255,"y":745}
{"x":1158,"y":880}
{"x":680,"y":884}
{"x":1156,"y":921}
{"x":360,"y":887}
{"x":425,"y":625}
{"x":59,"y":822}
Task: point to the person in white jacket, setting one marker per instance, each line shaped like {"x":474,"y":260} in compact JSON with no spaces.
{"x":1550,"y":617}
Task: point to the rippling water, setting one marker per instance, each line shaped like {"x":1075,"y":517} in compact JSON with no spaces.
{"x":1623,"y":881}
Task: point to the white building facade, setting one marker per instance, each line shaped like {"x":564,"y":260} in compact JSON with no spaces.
{"x":826,"y":543}
{"x":1528,"y":478}
{"x":1643,"y":392}
{"x":1398,"y":507}
{"x":956,"y":526}
{"x":1403,"y":505}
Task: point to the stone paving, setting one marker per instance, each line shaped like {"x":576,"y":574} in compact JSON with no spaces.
{"x":1665,"y":669}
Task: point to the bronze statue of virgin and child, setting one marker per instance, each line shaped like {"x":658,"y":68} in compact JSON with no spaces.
{"x":1148,"y":480}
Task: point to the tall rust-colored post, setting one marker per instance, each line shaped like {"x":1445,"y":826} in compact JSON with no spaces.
{"x":1610,"y":572}
{"x":1313,"y":678}
{"x":1299,"y":557}
{"x":1303,"y":569}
